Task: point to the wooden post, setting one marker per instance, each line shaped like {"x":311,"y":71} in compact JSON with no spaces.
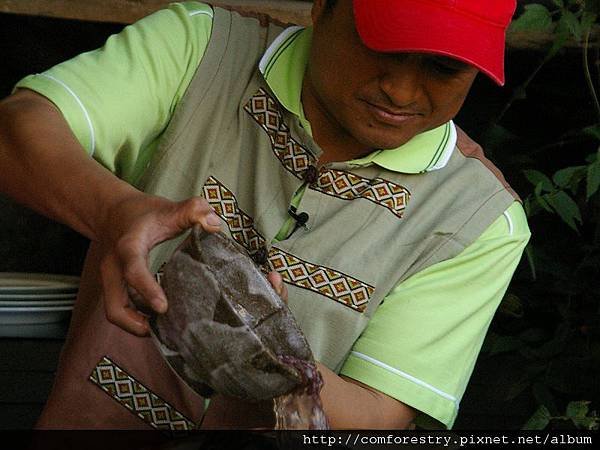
{"x":286,"y":11}
{"x":128,"y":11}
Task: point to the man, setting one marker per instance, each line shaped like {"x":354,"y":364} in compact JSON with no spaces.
{"x":329,"y":153}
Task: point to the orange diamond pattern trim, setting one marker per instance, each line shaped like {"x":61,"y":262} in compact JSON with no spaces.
{"x":322,"y":280}
{"x":349,"y":186}
{"x":330,"y":283}
{"x":240,"y":224}
{"x":137,"y":398}
{"x":263,"y":108}
{"x":345,"y":185}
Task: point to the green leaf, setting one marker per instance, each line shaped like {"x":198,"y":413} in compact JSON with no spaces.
{"x":517,"y":388}
{"x":511,"y":305}
{"x":541,"y":199}
{"x":587,"y":21}
{"x":530,"y":373}
{"x":587,"y":423}
{"x":592,"y":130}
{"x":555,"y":346}
{"x":573,"y":25}
{"x":533,"y":206}
{"x":565,"y":207}
{"x":536,"y":17}
{"x":559,"y":3}
{"x":539,"y":420}
{"x":504,"y":344}
{"x":531,"y":261}
{"x":578,"y":410}
{"x":527,"y":206}
{"x":569,"y":177}
{"x":593,"y":178}
{"x":536,"y":177}
{"x":561,"y":36}
{"x":544,"y":397}
{"x":497,"y":138}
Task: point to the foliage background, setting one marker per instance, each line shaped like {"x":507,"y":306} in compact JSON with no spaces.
{"x":544,"y":132}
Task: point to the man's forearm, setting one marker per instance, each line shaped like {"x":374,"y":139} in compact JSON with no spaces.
{"x":350,"y":405}
{"x":45,"y":168}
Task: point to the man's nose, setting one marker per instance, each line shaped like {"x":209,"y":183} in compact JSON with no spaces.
{"x":403,"y":80}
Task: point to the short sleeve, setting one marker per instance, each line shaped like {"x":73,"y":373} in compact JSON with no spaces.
{"x":421,"y":344}
{"x":118,"y":99}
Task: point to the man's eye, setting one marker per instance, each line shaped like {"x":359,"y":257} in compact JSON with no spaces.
{"x":446,"y":66}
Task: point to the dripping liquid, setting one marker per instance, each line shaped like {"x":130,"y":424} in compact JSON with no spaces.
{"x":301,"y":409}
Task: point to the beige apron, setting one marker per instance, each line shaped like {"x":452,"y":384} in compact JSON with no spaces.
{"x":96,"y":383}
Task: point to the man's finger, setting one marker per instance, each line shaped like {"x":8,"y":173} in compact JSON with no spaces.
{"x":139,"y":302}
{"x":277,"y":284}
{"x":284,"y":293}
{"x":196,"y":210}
{"x":116,"y":300}
{"x":130,"y":320}
{"x":139,"y":278}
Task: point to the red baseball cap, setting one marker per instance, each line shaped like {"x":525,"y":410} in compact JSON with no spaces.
{"x":472,"y":31}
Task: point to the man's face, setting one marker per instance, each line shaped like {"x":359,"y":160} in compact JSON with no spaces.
{"x":376,"y":100}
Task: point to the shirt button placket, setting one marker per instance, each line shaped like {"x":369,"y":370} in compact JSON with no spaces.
{"x":311,"y":174}
{"x":261,"y":256}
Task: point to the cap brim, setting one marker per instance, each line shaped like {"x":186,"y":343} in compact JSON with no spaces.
{"x":421,"y":26}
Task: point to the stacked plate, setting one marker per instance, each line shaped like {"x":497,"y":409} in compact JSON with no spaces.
{"x":33,"y":304}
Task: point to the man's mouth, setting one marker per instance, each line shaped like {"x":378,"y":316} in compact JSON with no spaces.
{"x":391,"y":116}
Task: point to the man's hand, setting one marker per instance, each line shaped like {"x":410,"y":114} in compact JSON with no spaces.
{"x":132,"y":228}
{"x":45,"y":168}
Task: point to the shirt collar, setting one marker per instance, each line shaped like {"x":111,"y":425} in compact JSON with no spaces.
{"x":283,"y":66}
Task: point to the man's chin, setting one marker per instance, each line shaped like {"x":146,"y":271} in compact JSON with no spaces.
{"x":378,"y":141}
{"x":377,"y":137}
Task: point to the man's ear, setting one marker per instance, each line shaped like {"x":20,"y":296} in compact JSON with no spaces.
{"x":317,"y":10}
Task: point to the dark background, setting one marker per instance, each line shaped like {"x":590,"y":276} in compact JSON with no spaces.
{"x":29,"y":242}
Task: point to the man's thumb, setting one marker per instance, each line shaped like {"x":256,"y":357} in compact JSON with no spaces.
{"x":195,"y":211}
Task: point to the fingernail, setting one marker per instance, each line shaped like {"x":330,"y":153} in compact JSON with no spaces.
{"x":143,"y":327}
{"x":213,"y":219}
{"x":160,"y":305}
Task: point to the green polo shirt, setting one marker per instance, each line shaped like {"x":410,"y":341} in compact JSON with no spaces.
{"x":421,"y":345}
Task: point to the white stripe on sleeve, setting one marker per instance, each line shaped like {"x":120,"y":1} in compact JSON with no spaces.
{"x":406,"y":376}
{"x":196,"y":13}
{"x":510,"y":223}
{"x":80,"y":103}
